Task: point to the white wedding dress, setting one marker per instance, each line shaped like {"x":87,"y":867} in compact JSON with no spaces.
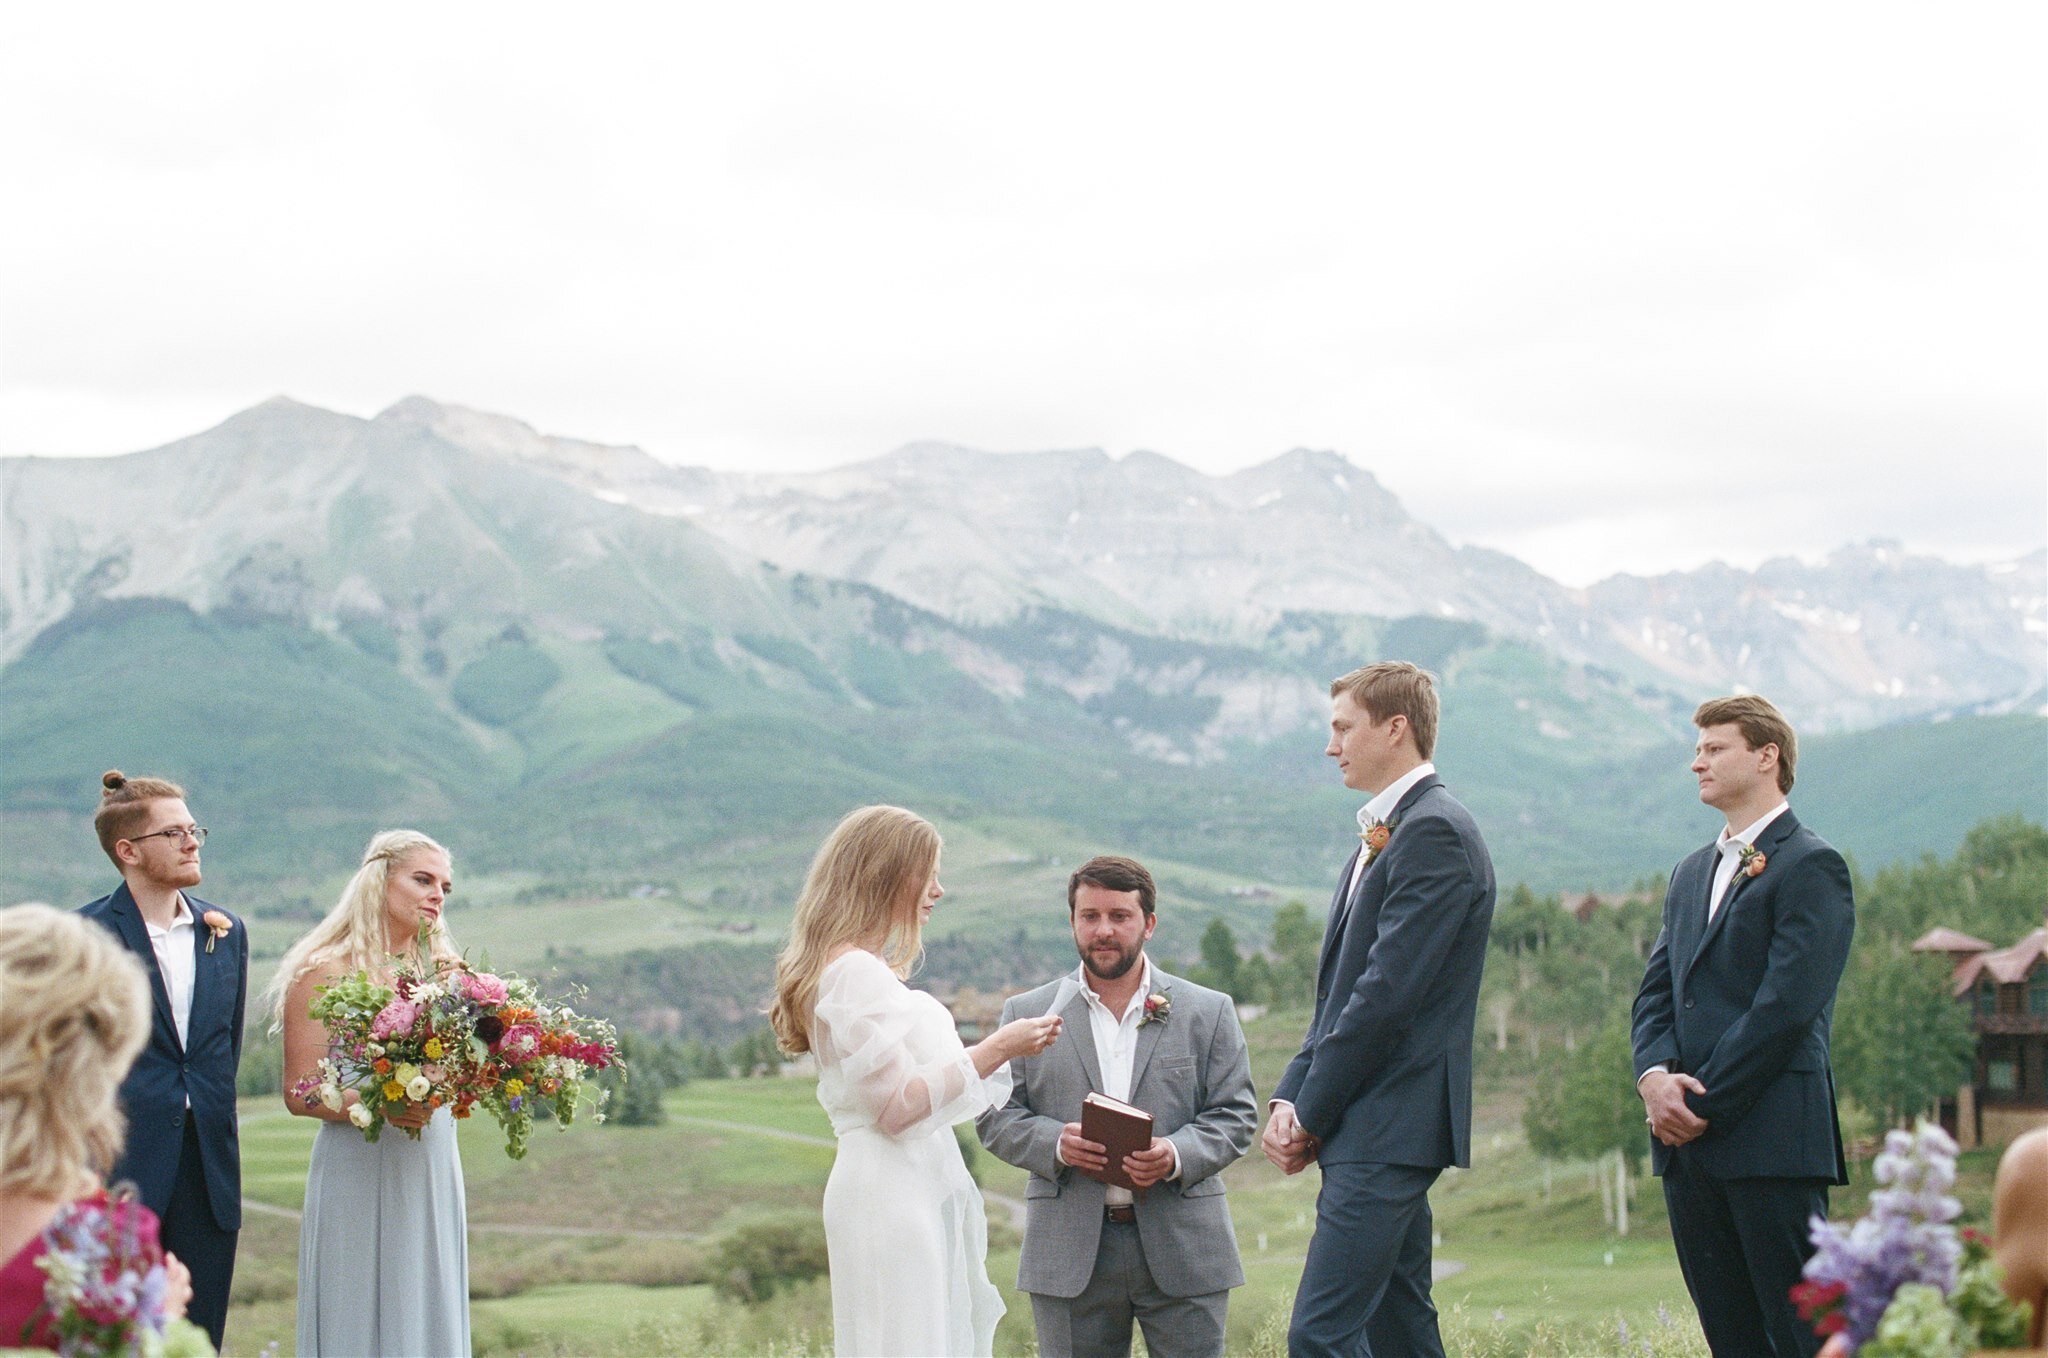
{"x":905,"y":1227}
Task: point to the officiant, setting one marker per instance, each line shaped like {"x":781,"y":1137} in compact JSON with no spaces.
{"x":1161,"y":1253}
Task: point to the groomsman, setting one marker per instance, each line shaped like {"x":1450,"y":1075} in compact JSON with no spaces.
{"x":1380,"y":1094}
{"x":183,"y":1152}
{"x":1097,"y":1257}
{"x":1731,"y":1037}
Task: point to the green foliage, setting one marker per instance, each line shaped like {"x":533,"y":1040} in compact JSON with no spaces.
{"x":755,"y":1054}
{"x":637,"y":1085}
{"x":756,"y":1261}
{"x":505,"y":683}
{"x":1901,"y":1042}
{"x":1220,"y":962}
{"x":970,"y":1149}
{"x":1297,"y":948}
{"x":262,"y":1069}
{"x":1589,"y":1108}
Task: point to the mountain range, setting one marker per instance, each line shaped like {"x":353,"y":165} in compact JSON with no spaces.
{"x":594,"y":671}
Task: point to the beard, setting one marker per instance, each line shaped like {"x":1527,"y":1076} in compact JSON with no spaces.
{"x":1126,"y":958}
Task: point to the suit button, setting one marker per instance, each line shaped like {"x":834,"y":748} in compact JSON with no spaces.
{"x":177,"y":1119}
{"x":1688,"y":1004}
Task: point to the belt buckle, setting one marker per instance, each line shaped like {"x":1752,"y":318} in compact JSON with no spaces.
{"x":1122,"y":1216}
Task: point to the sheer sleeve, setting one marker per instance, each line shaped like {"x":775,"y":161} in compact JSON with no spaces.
{"x":894,"y":1054}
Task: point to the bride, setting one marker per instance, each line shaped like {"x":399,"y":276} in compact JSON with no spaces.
{"x":905,"y":1229}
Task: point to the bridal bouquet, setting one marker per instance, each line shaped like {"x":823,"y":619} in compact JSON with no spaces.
{"x":107,"y":1283}
{"x":460,"y":1039}
{"x":1903,"y":1282}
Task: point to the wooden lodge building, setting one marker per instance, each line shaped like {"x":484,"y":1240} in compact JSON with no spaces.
{"x":2007,"y":992}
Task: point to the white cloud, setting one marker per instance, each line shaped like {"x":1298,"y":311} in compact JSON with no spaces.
{"x":1607,"y":286}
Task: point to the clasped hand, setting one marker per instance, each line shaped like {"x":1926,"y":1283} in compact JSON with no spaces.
{"x":1671,"y":1120}
{"x":1146,"y":1167}
{"x":1287,"y":1143}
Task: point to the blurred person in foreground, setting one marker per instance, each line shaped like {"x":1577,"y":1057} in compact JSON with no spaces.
{"x":184,"y":1152}
{"x":74,"y":1011}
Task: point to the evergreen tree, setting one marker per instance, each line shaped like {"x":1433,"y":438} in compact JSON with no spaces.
{"x":1219,"y":958}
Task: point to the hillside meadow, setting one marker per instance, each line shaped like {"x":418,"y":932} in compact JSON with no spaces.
{"x":602,"y":1241}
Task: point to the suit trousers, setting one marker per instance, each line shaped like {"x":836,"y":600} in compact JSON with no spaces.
{"x":188,"y":1230}
{"x":1097,"y":1324}
{"x":1741,"y":1245}
{"x":1365,"y":1285}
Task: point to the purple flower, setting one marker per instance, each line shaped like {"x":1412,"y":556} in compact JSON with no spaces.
{"x":1905,"y":1237}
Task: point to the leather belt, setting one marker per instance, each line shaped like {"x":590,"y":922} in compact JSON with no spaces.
{"x":1122,"y":1216}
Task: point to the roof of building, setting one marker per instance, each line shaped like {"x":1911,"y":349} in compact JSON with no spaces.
{"x":2008,"y":966}
{"x":1945,"y":939}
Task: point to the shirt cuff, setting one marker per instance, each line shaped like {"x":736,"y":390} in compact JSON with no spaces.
{"x":1173,"y":1173}
{"x":1056,"y":1153}
{"x":1664,"y":1066}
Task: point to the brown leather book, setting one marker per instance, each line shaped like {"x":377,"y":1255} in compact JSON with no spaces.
{"x":1120,"y":1128}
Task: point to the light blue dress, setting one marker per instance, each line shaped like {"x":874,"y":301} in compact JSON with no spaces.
{"x":384,"y":1245}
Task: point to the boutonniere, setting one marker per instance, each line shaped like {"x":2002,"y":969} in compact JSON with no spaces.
{"x":1375,"y":836}
{"x":1752,"y":860}
{"x":217,"y":926}
{"x":1158,"y":1005}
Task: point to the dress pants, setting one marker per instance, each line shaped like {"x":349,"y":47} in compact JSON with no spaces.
{"x":1097,"y":1324}
{"x":1741,"y":1245}
{"x":188,"y":1230}
{"x":1365,"y":1285}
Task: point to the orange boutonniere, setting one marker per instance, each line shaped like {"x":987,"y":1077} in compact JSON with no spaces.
{"x":1158,"y":1005}
{"x":1375,"y":837}
{"x":217,"y":926}
{"x":1752,"y":860}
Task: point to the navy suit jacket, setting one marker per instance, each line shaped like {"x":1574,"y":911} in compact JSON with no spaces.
{"x":1744,"y":1005}
{"x":202,"y":1069}
{"x":1385,"y":1073}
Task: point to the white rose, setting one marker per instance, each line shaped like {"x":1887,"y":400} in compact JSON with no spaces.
{"x":419,"y":1088}
{"x":359,"y":1114}
{"x":331,"y":1097}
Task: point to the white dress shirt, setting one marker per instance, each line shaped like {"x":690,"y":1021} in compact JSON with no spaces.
{"x":1730,"y":847}
{"x":1116,"y":1050}
{"x":175,"y":962}
{"x":1379,"y":808}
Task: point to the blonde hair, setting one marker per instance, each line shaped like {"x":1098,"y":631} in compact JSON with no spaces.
{"x":1395,"y":688}
{"x":124,"y":806}
{"x":861,"y":892}
{"x":74,"y":1012}
{"x":353,"y":934}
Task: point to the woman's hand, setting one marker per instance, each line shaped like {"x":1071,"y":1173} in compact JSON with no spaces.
{"x":1019,"y":1037}
{"x":177,"y":1287}
{"x":407,"y":1114}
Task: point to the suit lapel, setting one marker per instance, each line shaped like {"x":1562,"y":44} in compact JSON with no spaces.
{"x":1339,"y":909}
{"x":1767,"y":843}
{"x":127,"y":919}
{"x":206,"y":974}
{"x":1075,"y":1016}
{"x":1149,"y":1033}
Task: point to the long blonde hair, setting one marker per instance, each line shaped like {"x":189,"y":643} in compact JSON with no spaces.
{"x":862,"y":891}
{"x":74,"y":1011}
{"x":352,"y":934}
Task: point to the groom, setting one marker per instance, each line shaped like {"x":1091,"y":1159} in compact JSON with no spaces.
{"x":1095,"y":1256}
{"x":1380,"y":1094}
{"x":183,"y":1153}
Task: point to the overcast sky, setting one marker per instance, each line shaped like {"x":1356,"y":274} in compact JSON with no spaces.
{"x":1609,"y":287}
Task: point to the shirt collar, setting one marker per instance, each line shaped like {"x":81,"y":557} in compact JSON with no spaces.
{"x":1383,"y":803}
{"x":1137,"y":997}
{"x":1728,"y":843}
{"x":181,"y":918}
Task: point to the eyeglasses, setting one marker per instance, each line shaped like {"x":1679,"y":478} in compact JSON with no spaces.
{"x":177,"y":834}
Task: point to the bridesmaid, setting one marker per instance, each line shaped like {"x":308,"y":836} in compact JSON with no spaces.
{"x":383,"y":1247}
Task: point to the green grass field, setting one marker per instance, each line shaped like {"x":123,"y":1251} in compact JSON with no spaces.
{"x":597,"y":1242}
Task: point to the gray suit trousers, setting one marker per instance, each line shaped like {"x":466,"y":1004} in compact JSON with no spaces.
{"x":1097,"y":1324}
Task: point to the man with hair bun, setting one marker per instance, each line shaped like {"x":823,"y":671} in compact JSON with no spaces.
{"x":183,"y":1152}
{"x":1731,"y":1037}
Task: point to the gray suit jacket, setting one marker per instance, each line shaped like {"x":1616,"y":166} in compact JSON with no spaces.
{"x":1194,"y":1076}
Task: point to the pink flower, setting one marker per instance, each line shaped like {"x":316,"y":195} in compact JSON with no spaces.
{"x":521,"y":1042}
{"x":396,"y":1019}
{"x":484,"y":988}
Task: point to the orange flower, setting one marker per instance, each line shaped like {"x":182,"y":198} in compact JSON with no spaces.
{"x":1755,"y":866}
{"x":1377,"y":837}
{"x":217,"y":926}
{"x":381,"y":1066}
